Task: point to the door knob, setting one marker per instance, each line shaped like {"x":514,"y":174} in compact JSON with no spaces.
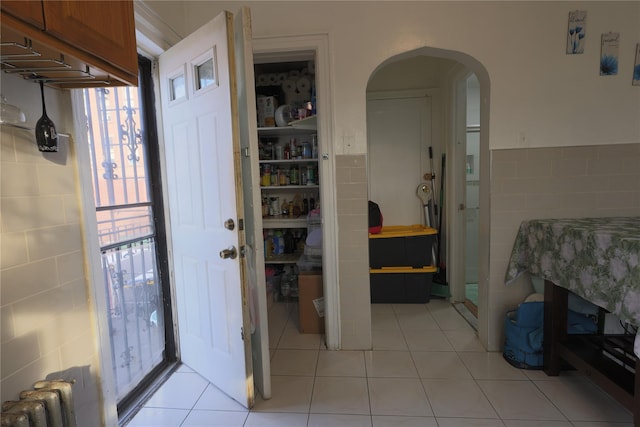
{"x":229,"y":224}
{"x":229,"y":253}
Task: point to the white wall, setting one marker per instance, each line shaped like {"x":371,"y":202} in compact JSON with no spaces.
{"x":48,"y":328}
{"x":537,"y":91}
{"x":535,"y":94}
{"x":418,"y":72}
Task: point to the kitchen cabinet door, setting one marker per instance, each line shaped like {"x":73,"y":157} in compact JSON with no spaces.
{"x":105,"y":29}
{"x":28,"y":11}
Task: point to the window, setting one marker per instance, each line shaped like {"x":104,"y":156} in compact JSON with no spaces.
{"x":124,"y":160}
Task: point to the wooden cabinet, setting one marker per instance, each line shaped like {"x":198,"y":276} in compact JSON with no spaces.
{"x":106,"y":29}
{"x":28,"y":11}
{"x":76,"y":43}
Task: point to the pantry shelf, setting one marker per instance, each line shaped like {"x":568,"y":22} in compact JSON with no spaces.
{"x":289,"y":161}
{"x":283,"y":259}
{"x":308,"y":123}
{"x":284,"y":222}
{"x":282,"y":131}
{"x":290,"y":187}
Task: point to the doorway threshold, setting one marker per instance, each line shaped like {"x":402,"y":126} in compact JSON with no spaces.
{"x":466,"y":314}
{"x":146,"y":391}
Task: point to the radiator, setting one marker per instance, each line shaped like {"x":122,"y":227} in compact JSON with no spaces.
{"x":49,"y":404}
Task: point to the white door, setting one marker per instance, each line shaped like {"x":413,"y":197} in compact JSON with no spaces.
{"x":202,"y":155}
{"x":398,"y":134}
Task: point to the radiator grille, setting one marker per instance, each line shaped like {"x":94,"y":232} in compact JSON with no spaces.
{"x":49,"y":404}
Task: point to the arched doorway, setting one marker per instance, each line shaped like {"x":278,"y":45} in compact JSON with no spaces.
{"x":437,"y":75}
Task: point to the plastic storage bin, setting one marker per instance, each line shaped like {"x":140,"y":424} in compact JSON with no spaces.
{"x":401,"y":285}
{"x":402,"y":246}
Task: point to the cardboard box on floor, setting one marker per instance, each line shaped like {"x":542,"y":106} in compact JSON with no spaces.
{"x":310,"y":302}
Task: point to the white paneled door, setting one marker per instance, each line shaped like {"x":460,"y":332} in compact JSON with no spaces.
{"x":200,"y":115}
{"x":399,"y":134}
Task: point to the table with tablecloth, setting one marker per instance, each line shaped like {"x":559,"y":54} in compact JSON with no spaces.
{"x":597,"y":259}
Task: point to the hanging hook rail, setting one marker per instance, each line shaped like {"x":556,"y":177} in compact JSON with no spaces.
{"x":28,"y":46}
{"x":88,"y":77}
{"x":60,"y":65}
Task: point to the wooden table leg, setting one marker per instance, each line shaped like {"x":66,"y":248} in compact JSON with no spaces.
{"x":636,"y":396}
{"x":555,"y":325}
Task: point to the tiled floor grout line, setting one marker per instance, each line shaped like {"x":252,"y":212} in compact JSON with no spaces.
{"x":566,"y":418}
{"x":481,"y":370}
{"x":424,"y":390}
{"x":313,"y":385}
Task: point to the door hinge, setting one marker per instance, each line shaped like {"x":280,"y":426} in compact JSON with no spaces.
{"x":242,"y":333}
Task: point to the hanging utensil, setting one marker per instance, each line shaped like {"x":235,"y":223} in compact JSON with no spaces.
{"x":425,"y":194}
{"x":46,"y":135}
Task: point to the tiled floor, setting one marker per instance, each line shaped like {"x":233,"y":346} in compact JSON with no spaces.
{"x":426,"y":368}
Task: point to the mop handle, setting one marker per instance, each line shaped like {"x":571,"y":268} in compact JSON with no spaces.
{"x":433,"y":183}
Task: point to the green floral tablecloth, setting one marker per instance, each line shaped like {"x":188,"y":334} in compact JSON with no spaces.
{"x":595,"y":258}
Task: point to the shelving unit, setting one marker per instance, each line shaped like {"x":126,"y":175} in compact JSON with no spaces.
{"x":291,"y":154}
{"x":608,"y":360}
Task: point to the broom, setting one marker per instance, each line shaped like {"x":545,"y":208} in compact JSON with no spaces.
{"x":440,"y":287}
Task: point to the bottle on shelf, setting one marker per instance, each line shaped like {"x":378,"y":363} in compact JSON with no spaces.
{"x":312,"y":203}
{"x":311,"y":180}
{"x":305,"y":205}
{"x":274,"y":206}
{"x":288,"y":242}
{"x":287,"y":152}
{"x":268,"y":244}
{"x":266,"y":175}
{"x":297,"y":205}
{"x":278,"y":243}
{"x":294,"y":175}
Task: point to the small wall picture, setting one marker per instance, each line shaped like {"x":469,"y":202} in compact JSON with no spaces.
{"x":576,"y":32}
{"x":609,"y":54}
{"x":636,"y":67}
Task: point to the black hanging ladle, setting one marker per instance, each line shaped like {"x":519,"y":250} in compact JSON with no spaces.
{"x":46,"y":135}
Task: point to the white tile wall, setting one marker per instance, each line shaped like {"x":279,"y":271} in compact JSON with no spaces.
{"x":353,"y":246}
{"x":566,"y":182}
{"x":47,"y":328}
{"x":590,"y":181}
